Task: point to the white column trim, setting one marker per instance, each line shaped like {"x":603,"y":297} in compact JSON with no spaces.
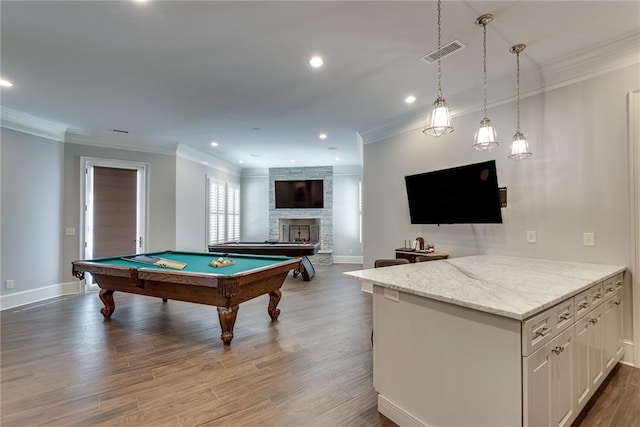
{"x":634,"y":198}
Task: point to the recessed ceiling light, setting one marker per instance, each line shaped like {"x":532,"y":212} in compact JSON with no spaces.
{"x":214,"y":143}
{"x":240,"y":161}
{"x":322,"y":136}
{"x":292,"y":161}
{"x":5,"y":83}
{"x":316,"y":62}
{"x":410,"y":99}
{"x":337,"y":158}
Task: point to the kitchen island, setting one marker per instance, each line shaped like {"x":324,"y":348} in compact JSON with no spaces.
{"x":492,"y":340}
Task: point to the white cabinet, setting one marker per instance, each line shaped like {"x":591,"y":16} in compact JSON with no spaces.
{"x":563,"y":367}
{"x":548,"y":383}
{"x":612,"y":326}
{"x":588,"y":364}
{"x":598,"y":336}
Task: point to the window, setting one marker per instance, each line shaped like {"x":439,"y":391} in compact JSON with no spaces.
{"x":233,"y":213}
{"x":223,"y":211}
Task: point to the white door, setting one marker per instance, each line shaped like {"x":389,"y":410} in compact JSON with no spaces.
{"x":113,"y":208}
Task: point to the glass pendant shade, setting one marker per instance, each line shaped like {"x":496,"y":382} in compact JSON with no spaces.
{"x":439,"y":120}
{"x":519,"y":149}
{"x":485,"y":138}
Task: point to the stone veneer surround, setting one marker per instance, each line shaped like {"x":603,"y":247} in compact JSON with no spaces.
{"x":324,"y":215}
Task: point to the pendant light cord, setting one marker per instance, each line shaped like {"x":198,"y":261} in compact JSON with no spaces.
{"x":518,"y":91}
{"x":484,"y":58}
{"x":439,"y":55}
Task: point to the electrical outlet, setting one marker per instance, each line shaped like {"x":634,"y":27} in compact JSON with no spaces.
{"x":531,"y":236}
{"x":70,"y":231}
{"x":589,"y":239}
{"x":8,"y":284}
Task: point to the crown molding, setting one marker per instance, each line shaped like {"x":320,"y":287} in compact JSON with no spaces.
{"x":32,"y":125}
{"x":583,"y":65}
{"x":189,"y":153}
{"x":120,"y":142}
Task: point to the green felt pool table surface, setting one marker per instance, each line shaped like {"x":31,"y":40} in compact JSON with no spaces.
{"x":225,"y":287}
{"x":199,"y":262}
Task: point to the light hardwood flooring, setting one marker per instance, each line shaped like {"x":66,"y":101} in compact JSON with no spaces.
{"x":163,"y":364}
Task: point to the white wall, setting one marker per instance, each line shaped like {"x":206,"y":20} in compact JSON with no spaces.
{"x":254,"y":194}
{"x":346,"y":242}
{"x":346,"y":215}
{"x":31,"y":211}
{"x":576,"y":181}
{"x":191,"y":200}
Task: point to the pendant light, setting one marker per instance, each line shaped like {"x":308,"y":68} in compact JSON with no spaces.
{"x":439,"y":120}
{"x":485,"y":138}
{"x":519,"y":149}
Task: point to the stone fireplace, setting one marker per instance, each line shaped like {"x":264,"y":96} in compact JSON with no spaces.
{"x":308,"y":224}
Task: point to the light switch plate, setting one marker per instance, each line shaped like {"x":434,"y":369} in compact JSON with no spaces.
{"x":531,"y":236}
{"x":69,"y":231}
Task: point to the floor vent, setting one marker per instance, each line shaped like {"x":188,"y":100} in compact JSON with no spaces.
{"x":445,"y":50}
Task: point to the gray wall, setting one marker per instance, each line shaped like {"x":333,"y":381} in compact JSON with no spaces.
{"x":31,"y":211}
{"x":161,"y":196}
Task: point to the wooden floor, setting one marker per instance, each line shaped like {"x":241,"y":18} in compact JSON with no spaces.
{"x":163,"y":364}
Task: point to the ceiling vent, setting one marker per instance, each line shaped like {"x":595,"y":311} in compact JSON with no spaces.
{"x":445,"y":50}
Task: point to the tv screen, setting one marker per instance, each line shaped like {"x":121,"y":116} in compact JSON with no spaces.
{"x":461,"y":195}
{"x":299,"y":194}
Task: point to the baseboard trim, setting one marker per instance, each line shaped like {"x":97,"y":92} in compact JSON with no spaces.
{"x":627,"y":357}
{"x":350,"y":259}
{"x":396,"y":414}
{"x":18,"y":299}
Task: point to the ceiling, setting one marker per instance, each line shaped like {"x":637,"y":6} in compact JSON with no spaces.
{"x":178,"y":72}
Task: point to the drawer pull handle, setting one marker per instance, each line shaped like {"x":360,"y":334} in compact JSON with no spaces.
{"x":619,"y":284}
{"x":541,"y":332}
{"x":583,"y":305}
{"x":617,"y":302}
{"x":597,"y":296}
{"x":557,"y":349}
{"x":610,"y":289}
{"x":594,"y":320}
{"x":565,"y":316}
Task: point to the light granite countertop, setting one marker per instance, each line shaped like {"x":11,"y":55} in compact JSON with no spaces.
{"x":507,"y":286}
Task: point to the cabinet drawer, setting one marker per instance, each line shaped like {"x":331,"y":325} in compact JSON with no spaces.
{"x":539,"y":329}
{"x":588,"y":299}
{"x":611,"y":285}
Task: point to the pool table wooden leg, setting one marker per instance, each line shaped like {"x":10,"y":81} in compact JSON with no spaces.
{"x":227,"y":318}
{"x":274,"y":299}
{"x":106,"y":296}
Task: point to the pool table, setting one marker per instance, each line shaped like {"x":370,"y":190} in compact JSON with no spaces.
{"x":225,"y":287}
{"x":302,"y":250}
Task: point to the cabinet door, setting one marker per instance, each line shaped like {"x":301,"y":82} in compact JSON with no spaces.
{"x":563,"y":404}
{"x":596,"y":365}
{"x":610,"y":332}
{"x":619,"y":302}
{"x":549,"y":385}
{"x":588,"y":360}
{"x":537,"y":384}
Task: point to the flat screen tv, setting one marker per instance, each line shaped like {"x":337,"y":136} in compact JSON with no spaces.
{"x":461,"y":195}
{"x":304,"y":194}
